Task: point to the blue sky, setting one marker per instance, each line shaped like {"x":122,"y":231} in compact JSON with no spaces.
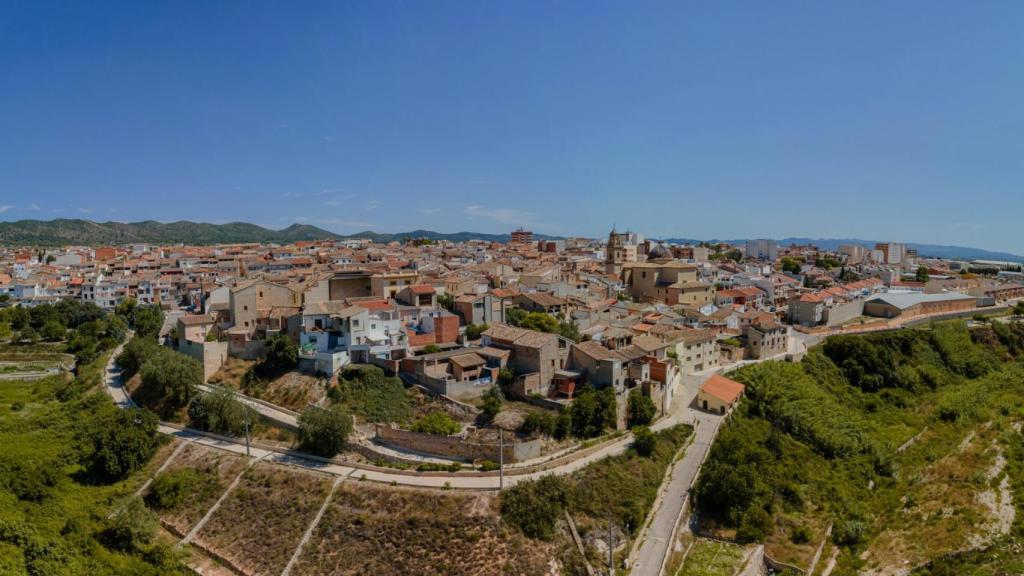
{"x":880,"y":120}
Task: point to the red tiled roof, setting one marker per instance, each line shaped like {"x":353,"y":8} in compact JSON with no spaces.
{"x":723,"y":388}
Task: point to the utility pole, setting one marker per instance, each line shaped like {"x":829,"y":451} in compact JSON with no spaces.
{"x":247,"y":452}
{"x":611,"y":549}
{"x":501,"y":459}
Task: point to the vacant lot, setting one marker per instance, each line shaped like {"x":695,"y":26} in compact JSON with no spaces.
{"x":220,"y":468}
{"x":712,"y":558}
{"x":261,"y":522}
{"x":369,"y":529}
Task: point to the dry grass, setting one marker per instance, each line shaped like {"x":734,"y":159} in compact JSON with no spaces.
{"x":369,"y":529}
{"x":230,"y":374}
{"x":220,"y":465}
{"x":941,"y":512}
{"x":295,"y":390}
{"x":261,"y":522}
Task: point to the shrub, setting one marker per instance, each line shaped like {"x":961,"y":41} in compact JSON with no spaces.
{"x":755,"y":525}
{"x":438,"y":424}
{"x":324,"y":432}
{"x":172,"y":489}
{"x":135,"y":354}
{"x":372,"y":395}
{"x":644,"y":441}
{"x":473,"y":331}
{"x":132,"y":528}
{"x":488,"y":466}
{"x":539,"y":422}
{"x":282,"y":354}
{"x":534,"y":506}
{"x":800,"y":535}
{"x":492,"y":402}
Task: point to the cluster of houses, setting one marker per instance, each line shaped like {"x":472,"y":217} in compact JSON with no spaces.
{"x":440,"y":314}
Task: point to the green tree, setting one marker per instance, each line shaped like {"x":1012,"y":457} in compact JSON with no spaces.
{"x":922,"y":274}
{"x":644,"y":441}
{"x":282,"y":353}
{"x":147,"y":321}
{"x":324,"y":432}
{"x":219,"y":411}
{"x":28,"y":334}
{"x":124,"y":443}
{"x":172,"y":376}
{"x":53,"y":331}
{"x":492,"y":402}
{"x":5,"y":331}
{"x":592,"y":411}
{"x":641,"y":408}
{"x":135,"y":353}
{"x":437,"y":423}
{"x":1018,"y":308}
{"x":790,"y":265}
{"x":430,"y":349}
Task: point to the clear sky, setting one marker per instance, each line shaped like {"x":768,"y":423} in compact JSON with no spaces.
{"x":880,"y":120}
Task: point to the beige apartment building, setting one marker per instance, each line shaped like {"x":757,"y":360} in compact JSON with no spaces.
{"x":252,"y":303}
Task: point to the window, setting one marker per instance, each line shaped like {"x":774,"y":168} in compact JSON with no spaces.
{"x":246,"y":307}
{"x":261,"y":293}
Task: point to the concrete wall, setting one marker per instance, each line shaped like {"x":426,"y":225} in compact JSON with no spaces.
{"x":842,"y":313}
{"x":457,"y":447}
{"x":211,"y":355}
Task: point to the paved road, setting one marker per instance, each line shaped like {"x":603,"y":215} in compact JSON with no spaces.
{"x":658,"y":537}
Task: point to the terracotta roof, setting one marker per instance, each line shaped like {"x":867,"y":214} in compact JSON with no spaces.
{"x":195,"y":319}
{"x":598,"y":352}
{"x":722,"y":388}
{"x":422,"y":289}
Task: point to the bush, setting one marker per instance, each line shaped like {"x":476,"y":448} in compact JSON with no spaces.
{"x":535,"y":506}
{"x":324,"y":432}
{"x":644,"y":441}
{"x":800,"y":535}
{"x":372,"y":395}
{"x":492,"y":402}
{"x":641,"y":408}
{"x":473,"y":331}
{"x":131,"y":529}
{"x":172,"y":489}
{"x":438,"y":424}
{"x":539,"y":422}
{"x":488,"y":466}
{"x":755,"y":525}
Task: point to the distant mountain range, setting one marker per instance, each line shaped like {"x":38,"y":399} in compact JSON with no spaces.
{"x":63,"y":232}
{"x":929,"y":250}
{"x":88,"y":233}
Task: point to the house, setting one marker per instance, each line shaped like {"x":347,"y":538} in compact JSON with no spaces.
{"x":602,"y":366}
{"x":420,"y":295}
{"x":462,"y":373}
{"x":261,"y":305}
{"x":535,"y":356}
{"x":542,"y":302}
{"x":481,"y":308}
{"x":719,"y":394}
{"x":328,"y":330}
{"x":695,"y":350}
{"x":195,"y":327}
{"x":387,"y":284}
{"x":766,"y":339}
{"x":747,"y":296}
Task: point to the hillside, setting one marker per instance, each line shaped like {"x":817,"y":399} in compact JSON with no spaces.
{"x":88,"y":233}
{"x":907,"y":443}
